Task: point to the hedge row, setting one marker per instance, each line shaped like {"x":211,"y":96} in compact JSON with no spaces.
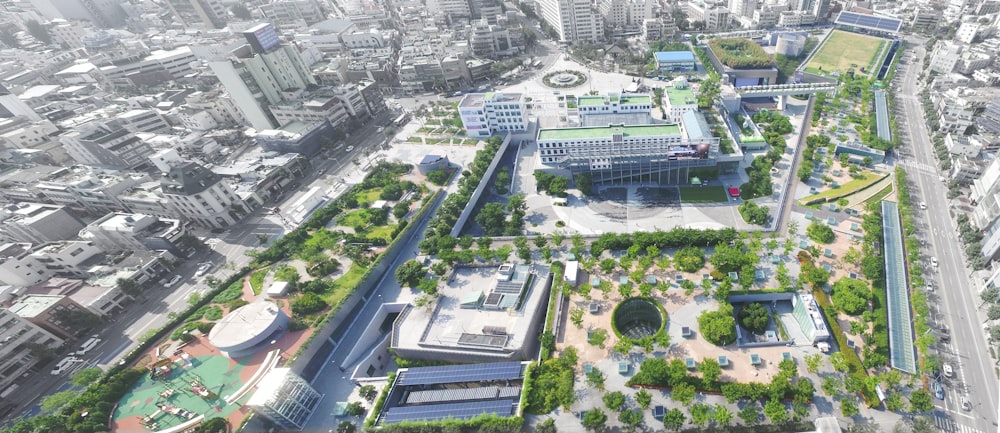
{"x":855,"y":368}
{"x":675,"y":238}
{"x":370,"y":422}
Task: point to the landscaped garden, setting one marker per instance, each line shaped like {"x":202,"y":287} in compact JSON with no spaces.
{"x":740,"y":53}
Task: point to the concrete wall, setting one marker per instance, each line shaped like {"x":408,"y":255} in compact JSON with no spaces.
{"x":478,"y":193}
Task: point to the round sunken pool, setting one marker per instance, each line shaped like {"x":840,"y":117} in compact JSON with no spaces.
{"x":638,"y":317}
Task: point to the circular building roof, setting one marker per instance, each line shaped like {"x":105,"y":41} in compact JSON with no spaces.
{"x":246,"y":326}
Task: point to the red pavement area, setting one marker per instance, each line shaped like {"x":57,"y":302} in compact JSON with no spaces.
{"x":289,"y":343}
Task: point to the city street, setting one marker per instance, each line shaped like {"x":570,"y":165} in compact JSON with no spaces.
{"x":227,"y":253}
{"x":968,"y":352}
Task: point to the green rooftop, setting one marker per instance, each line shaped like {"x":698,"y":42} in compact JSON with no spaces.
{"x":680,"y":96}
{"x":590,"y":101}
{"x":635,"y":99}
{"x":608,"y":131}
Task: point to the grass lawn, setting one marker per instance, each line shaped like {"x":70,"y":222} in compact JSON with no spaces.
{"x":844,"y":190}
{"x":353,"y":218}
{"x":414,"y":140}
{"x":345,"y":284}
{"x":257,"y":281}
{"x":368,"y":196}
{"x":842,"y":51}
{"x":384,"y":232}
{"x":703,"y":194}
{"x":879,"y":195}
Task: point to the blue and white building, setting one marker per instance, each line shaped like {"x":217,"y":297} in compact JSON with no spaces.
{"x":667,"y":61}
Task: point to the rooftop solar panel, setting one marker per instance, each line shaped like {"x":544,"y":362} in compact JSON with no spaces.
{"x":460,"y":373}
{"x":434,"y":412}
{"x":869,"y":21}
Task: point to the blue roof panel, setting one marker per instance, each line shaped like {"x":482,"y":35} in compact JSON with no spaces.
{"x":460,"y":373}
{"x":674,"y":56}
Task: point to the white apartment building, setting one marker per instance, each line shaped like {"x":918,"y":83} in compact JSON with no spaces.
{"x":37,"y":223}
{"x":86,"y":189}
{"x":336,"y":104}
{"x":742,"y":8}
{"x":17,"y":133}
{"x":199,"y":14}
{"x":106,"y":145}
{"x":713,"y":13}
{"x":484,"y":114}
{"x":144,"y":120}
{"x":26,"y":265}
{"x":985,"y":198}
{"x":796,"y":18}
{"x":18,"y":353}
{"x":121,"y":231}
{"x":202,"y":197}
{"x":768,"y":15}
{"x":177,"y":63}
{"x":147,"y":198}
{"x":626,"y":17}
{"x":574,"y":20}
{"x":945,"y":56}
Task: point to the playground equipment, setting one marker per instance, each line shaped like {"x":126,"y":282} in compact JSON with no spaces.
{"x":161,"y":369}
{"x":174,"y":410}
{"x":201,"y":391}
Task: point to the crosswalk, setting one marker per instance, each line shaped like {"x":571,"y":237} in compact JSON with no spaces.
{"x":949,"y":426}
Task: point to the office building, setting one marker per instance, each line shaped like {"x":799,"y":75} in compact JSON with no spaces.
{"x":626,"y":18}
{"x":714,"y":14}
{"x":669,"y":61}
{"x":257,"y":74}
{"x":485,"y":114}
{"x":201,"y":196}
{"x":199,"y":14}
{"x":614,"y":103}
{"x":576,"y":21}
{"x":293,"y":13}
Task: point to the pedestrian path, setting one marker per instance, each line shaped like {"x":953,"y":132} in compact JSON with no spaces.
{"x":949,"y":426}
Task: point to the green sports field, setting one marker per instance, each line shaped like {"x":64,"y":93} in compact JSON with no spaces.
{"x":842,"y":51}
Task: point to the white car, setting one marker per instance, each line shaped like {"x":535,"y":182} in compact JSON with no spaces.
{"x":350,"y":148}
{"x":202,"y":269}
{"x":947,"y":370}
{"x":966,"y":405}
{"x":934,"y":261}
{"x":923,"y":206}
{"x":88,"y":345}
{"x":64,"y":365}
{"x":173,"y":281}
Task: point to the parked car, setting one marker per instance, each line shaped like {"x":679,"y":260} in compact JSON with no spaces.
{"x":948,"y":371}
{"x":173,"y":281}
{"x":938,"y":390}
{"x":350,"y":148}
{"x":966,"y":405}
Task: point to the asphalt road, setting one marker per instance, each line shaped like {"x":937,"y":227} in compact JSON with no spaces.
{"x":227,"y":253}
{"x":955,"y":297}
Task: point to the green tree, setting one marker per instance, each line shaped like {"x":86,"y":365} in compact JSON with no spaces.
{"x":630,"y":418}
{"x":683,"y":393}
{"x":920,"y":401}
{"x":594,"y":420}
{"x":614,"y":400}
{"x":87,"y":376}
{"x":57,"y":400}
{"x":710,"y":370}
{"x":368,"y":392}
{"x":409,"y":273}
{"x":492,"y":219}
{"x":754,"y":317}
{"x":718,"y":327}
{"x":849,"y":407}
{"x":689,"y":259}
{"x":701,"y":414}
{"x":595,"y":379}
{"x":674,"y":419}
{"x":851,"y":295}
{"x":437,"y":177}
{"x":643,"y":398}
{"x":722,"y":415}
{"x":576,"y":316}
{"x":820,"y":232}
{"x":547,"y":426}
{"x":750,"y":414}
{"x":776,"y":411}
{"x":813,"y":362}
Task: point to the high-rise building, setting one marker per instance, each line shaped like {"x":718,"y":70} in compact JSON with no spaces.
{"x":199,"y":14}
{"x":626,"y":17}
{"x":257,"y":74}
{"x":287,"y":12}
{"x":574,"y":20}
{"x":102,"y":13}
{"x":106,"y":145}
